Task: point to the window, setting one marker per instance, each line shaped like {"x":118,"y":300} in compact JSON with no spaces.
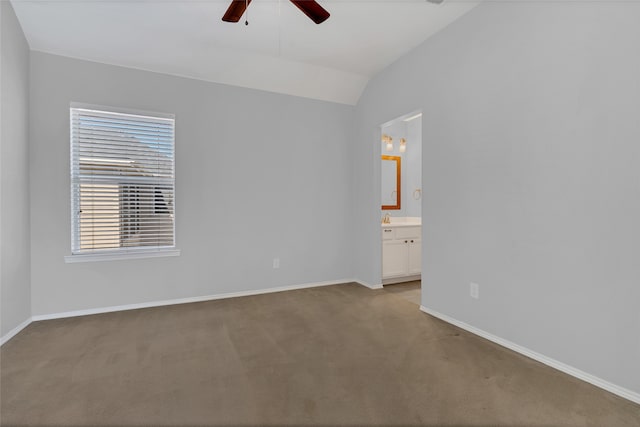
{"x":122,"y":184}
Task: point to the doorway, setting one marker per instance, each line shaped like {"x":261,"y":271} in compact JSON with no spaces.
{"x":401,"y":205}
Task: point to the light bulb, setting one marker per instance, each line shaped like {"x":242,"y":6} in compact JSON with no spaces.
{"x":389,"y":141}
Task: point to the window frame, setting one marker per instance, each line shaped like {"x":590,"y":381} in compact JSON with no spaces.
{"x":121,"y":253}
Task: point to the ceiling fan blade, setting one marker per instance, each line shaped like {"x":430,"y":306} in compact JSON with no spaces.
{"x":236,"y":10}
{"x":312,"y":9}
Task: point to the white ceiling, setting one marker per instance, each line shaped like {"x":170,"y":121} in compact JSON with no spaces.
{"x":281,"y":50}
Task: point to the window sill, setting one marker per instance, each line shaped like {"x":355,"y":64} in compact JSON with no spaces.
{"x":121,"y":255}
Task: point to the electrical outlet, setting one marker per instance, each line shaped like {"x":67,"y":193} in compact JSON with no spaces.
{"x":474,"y":290}
{"x":276,"y":263}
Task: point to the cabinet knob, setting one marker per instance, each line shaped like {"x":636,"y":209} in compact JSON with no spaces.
{"x":405,"y":241}
{"x":412,"y":241}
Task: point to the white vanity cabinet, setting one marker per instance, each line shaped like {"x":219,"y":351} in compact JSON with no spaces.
{"x":401,"y":253}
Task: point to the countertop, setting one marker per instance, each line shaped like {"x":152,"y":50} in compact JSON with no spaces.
{"x":403,"y":222}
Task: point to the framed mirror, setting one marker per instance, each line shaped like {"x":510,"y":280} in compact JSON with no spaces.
{"x":391,"y":172}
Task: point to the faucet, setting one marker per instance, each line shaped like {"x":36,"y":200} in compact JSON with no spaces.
{"x":386,"y":219}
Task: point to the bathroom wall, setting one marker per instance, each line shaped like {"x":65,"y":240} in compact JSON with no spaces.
{"x":15,"y":291}
{"x":530,"y":177}
{"x":411,"y":161}
{"x":258,"y":176}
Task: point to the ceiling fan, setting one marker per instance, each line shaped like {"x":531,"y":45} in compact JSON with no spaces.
{"x":311,"y":8}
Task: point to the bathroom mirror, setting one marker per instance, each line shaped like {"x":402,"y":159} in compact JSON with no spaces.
{"x":391,"y":167}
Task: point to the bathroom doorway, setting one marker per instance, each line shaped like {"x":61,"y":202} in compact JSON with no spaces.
{"x":401,"y":205}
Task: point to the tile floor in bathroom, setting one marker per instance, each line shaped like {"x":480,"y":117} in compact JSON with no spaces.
{"x":407,"y":290}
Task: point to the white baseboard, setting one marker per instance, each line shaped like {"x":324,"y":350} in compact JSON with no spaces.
{"x":584,"y":376}
{"x":15,"y":331}
{"x":184,"y":300}
{"x":368,"y":285}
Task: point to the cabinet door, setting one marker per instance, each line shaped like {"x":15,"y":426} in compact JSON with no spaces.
{"x":394,"y":258}
{"x":415,"y":257}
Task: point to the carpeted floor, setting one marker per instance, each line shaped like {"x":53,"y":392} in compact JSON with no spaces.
{"x":336,"y":355}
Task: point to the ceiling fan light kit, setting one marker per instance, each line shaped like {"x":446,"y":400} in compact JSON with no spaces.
{"x":311,"y":8}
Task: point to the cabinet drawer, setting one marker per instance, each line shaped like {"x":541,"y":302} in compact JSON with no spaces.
{"x":407,"y":233}
{"x":387,"y":234}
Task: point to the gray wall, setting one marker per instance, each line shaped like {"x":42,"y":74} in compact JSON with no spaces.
{"x":258,"y":175}
{"x":15,"y":292}
{"x":531,"y":155}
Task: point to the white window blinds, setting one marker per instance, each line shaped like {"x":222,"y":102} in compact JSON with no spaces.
{"x":122,"y":182}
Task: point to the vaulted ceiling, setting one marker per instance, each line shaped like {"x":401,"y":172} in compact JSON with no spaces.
{"x":281,"y":50}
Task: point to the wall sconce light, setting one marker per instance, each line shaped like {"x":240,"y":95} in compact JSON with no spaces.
{"x":388,"y":140}
{"x":403,"y":145}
